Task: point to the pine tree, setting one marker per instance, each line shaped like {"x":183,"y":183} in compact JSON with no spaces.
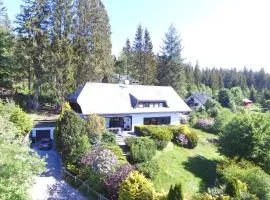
{"x":170,"y":66}
{"x":61,"y":50}
{"x":197,"y":74}
{"x":92,"y":42}
{"x":127,"y":51}
{"x":137,"y":52}
{"x":101,"y":46}
{"x":148,"y":70}
{"x":33,"y":22}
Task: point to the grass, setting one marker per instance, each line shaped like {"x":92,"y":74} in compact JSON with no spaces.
{"x":194,"y":168}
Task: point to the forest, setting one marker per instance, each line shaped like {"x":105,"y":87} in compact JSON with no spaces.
{"x":54,"y":47}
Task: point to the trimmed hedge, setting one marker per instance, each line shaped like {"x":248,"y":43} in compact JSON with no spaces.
{"x":163,"y":134}
{"x":155,"y":132}
{"x":142,"y":149}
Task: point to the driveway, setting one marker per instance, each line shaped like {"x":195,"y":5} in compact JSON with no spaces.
{"x":50,"y":185}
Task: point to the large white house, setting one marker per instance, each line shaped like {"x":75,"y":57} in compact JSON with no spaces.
{"x":125,"y":106}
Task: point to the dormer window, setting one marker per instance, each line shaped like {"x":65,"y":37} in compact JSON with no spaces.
{"x":146,"y":104}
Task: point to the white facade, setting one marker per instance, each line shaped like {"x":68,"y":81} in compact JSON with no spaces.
{"x":138,"y":119}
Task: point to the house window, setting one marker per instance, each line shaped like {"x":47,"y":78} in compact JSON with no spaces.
{"x":157,"y":120}
{"x":151,"y":104}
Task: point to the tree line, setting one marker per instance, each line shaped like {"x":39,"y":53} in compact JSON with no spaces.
{"x":57,"y":46}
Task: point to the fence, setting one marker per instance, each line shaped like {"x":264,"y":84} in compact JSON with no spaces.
{"x":83,"y":186}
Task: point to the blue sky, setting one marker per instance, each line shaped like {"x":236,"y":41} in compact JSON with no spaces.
{"x":220,"y":33}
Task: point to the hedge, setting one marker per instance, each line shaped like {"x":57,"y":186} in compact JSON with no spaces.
{"x":142,"y":149}
{"x":155,"y":132}
{"x":163,"y":134}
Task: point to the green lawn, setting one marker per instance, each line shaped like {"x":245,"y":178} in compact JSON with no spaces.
{"x":195,"y":168}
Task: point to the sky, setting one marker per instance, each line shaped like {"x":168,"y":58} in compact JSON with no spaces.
{"x":217,"y":33}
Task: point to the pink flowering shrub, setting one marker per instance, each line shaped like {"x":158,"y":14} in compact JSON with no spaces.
{"x":205,"y":124}
{"x":102,"y":161}
{"x":181,"y":140}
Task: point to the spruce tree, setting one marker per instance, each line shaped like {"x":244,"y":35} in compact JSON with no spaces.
{"x":170,"y":66}
{"x":92,"y":42}
{"x":137,"y":52}
{"x":127,"y":53}
{"x":33,"y":22}
{"x":61,"y":50}
{"x":148,"y":70}
{"x":101,"y":46}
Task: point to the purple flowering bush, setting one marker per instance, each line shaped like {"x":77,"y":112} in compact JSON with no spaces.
{"x":184,"y":137}
{"x":101,"y":160}
{"x":181,"y":140}
{"x":205,"y":124}
{"x":113,"y":182}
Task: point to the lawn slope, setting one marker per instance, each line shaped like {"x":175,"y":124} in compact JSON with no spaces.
{"x":194,"y":168}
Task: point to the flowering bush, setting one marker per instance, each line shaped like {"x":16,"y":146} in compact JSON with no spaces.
{"x":113,"y":182}
{"x":205,"y":124}
{"x":181,"y":140}
{"x":102,"y":161}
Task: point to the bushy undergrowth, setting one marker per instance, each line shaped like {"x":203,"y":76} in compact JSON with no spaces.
{"x":257,"y":181}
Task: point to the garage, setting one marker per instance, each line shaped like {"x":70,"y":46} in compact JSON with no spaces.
{"x":39,"y":133}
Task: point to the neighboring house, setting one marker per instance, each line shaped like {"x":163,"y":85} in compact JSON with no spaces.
{"x":125,"y":106}
{"x":247,"y":102}
{"x":196,"y":100}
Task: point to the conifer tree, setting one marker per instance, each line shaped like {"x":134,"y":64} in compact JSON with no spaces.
{"x":170,"y":66}
{"x":33,"y":22}
{"x":92,"y":42}
{"x":137,"y":52}
{"x":61,"y":50}
{"x":148,"y":70}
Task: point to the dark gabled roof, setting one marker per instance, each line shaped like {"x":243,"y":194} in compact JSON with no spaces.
{"x":201,"y":97}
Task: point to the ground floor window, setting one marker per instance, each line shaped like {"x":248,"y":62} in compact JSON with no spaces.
{"x":157,"y":120}
{"x":119,"y":122}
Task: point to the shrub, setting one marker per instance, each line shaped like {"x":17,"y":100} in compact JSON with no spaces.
{"x":161,"y":144}
{"x":136,"y":186}
{"x":113,"y":182}
{"x":221,"y":120}
{"x":247,"y":136}
{"x":142,"y":149}
{"x":21,"y":120}
{"x":257,"y":181}
{"x":192,"y":140}
{"x":184,"y":137}
{"x":93,"y":178}
{"x":149,"y":169}
{"x":175,"y":192}
{"x":102,"y":161}
{"x":70,"y":138}
{"x":108,"y":138}
{"x":205,"y":124}
{"x":95,"y":126}
{"x":72,"y":168}
{"x":155,"y":132}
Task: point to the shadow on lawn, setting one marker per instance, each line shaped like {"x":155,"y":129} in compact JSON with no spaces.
{"x":203,"y":168}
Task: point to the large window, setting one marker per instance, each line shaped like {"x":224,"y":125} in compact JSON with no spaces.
{"x":157,"y":120}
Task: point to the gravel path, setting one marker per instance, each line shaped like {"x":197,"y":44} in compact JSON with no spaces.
{"x":50,"y":185}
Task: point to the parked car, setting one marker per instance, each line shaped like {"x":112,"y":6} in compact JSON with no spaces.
{"x":45,"y":144}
